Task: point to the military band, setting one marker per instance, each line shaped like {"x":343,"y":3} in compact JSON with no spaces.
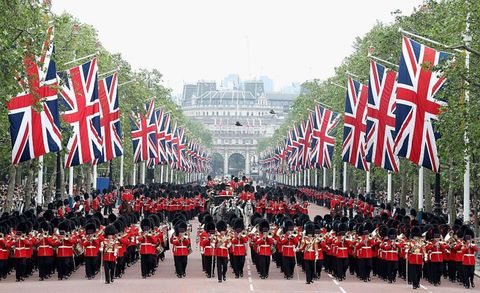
{"x":389,"y":245}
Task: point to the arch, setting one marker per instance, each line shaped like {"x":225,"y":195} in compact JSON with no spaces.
{"x":236,"y":164}
{"x":217,"y":164}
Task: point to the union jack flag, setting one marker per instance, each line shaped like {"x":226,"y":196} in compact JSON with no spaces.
{"x":178,"y":147}
{"x":33,"y":114}
{"x":144,"y":134}
{"x":323,"y":122}
{"x":353,"y":149}
{"x":417,"y":107}
{"x":162,"y":157}
{"x":293,"y":149}
{"x":304,"y":140}
{"x":109,"y":119}
{"x":79,"y":94}
{"x":171,"y":132}
{"x":381,"y":117}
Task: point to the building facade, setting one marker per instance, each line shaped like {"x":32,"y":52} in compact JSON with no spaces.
{"x":258,"y":114}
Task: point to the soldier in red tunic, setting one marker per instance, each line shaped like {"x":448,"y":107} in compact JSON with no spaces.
{"x":222,"y":243}
{"x":65,"y":244}
{"x":181,"y":244}
{"x":469,"y":250}
{"x":45,"y":251}
{"x":289,"y":241}
{"x":20,"y":243}
{"x":415,"y":254}
{"x":109,"y":248}
{"x":239,"y":247}
{"x":207,"y":248}
{"x":148,"y":243}
{"x":309,"y":247}
{"x":264,"y":245}
{"x":91,"y":245}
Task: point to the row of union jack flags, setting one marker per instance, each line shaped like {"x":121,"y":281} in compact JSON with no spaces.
{"x":88,"y":106}
{"x":157,"y":140}
{"x":392,"y":117}
{"x":90,"y":109}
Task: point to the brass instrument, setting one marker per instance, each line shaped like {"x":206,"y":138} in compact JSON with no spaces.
{"x":243,"y":234}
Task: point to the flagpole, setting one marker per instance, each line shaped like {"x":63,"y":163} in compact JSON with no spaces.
{"x":324,"y":177}
{"x":344,"y":176}
{"x":121,"y":170}
{"x":134,"y":173}
{"x":420,"y":188}
{"x":316,"y":177}
{"x":70,"y":181}
{"x":94,"y":177}
{"x":39,"y":199}
{"x":171,"y":175}
{"x":80,"y":59}
{"x":389,"y":187}
{"x":142,"y":174}
{"x":306,"y":177}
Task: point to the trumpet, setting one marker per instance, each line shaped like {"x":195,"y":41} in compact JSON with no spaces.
{"x":243,"y":234}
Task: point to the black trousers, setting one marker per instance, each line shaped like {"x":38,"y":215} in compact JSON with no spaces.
{"x":45,"y":264}
{"x":109,"y":271}
{"x":436,"y":270}
{"x":318,"y":268}
{"x":90,"y":266}
{"x":208,"y":262}
{"x":120,"y":268}
{"x":238,"y":262}
{"x":468,"y":275}
{"x":20,"y":268}
{"x":415,"y":273}
{"x":147,"y":263}
{"x":309,"y":269}
{"x":288,"y":263}
{"x":222,"y":264}
{"x":263,"y":265}
{"x":341,"y":267}
{"x":64,"y":266}
{"x":180,"y":265}
{"x":4,"y":268}
{"x":391,"y":270}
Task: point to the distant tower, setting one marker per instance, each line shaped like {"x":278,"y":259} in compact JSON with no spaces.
{"x":255,"y":87}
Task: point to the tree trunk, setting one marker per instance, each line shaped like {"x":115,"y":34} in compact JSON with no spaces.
{"x":29,"y":185}
{"x":403,"y":193}
{"x":427,"y":189}
{"x":88,"y":179}
{"x":11,"y":187}
{"x":18,"y":176}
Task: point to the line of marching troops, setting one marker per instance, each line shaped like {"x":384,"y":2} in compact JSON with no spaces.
{"x":385,"y":245}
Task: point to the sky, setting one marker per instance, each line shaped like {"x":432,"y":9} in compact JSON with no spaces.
{"x":190,"y":40}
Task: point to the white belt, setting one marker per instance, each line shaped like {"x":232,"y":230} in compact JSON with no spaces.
{"x":238,"y":245}
{"x":90,"y":247}
{"x":468,"y":254}
{"x":289,"y":246}
{"x":180,"y":247}
{"x":390,"y":251}
{"x":341,"y":248}
{"x":147,"y":244}
{"x":49,"y":246}
{"x":436,"y":252}
{"x":264,"y":245}
{"x":65,"y":246}
{"x":20,"y":248}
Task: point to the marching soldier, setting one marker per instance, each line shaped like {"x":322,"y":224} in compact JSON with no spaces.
{"x":20,"y":245}
{"x":65,"y":245}
{"x":415,"y":255}
{"x":469,"y":250}
{"x":109,"y":248}
{"x":222,"y":244}
{"x":238,"y":248}
{"x":91,"y":245}
{"x":181,"y":244}
{"x":289,"y":242}
{"x":435,"y":249}
{"x":309,"y":247}
{"x":264,"y":249}
{"x":148,"y":242}
{"x":207,"y":248}
{"x":45,"y":251}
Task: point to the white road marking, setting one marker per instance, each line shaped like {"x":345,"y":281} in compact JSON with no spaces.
{"x":249,"y":273}
{"x":249,"y":279}
{"x":251,"y":287}
{"x":335,"y":281}
{"x":423,"y":287}
{"x":343,"y":290}
{"x":330,"y":276}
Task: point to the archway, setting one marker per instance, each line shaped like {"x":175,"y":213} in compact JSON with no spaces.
{"x":217,"y":165}
{"x":236,"y":164}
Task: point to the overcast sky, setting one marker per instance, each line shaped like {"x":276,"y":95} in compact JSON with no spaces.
{"x":290,"y":41}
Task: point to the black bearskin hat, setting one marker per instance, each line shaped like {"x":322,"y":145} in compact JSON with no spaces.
{"x":110,"y":230}
{"x":221,"y":226}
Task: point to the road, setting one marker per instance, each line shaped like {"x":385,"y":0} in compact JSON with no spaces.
{"x":165,"y":280}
